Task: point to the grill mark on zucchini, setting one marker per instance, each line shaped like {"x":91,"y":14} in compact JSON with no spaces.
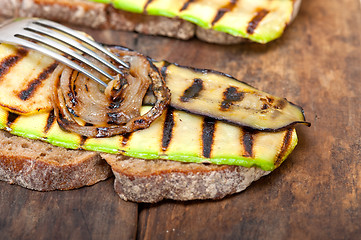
{"x":125,"y":139}
{"x":193,"y":91}
{"x":208,"y":129}
{"x":247,"y":140}
{"x":83,"y":140}
{"x":283,"y":142}
{"x":230,"y":95}
{"x":49,"y":121}
{"x":252,"y":25}
{"x":167,"y":129}
{"x":7,"y":63}
{"x":285,"y":145}
{"x":223,"y":10}
{"x":186,"y":5}
{"x":146,"y":6}
{"x":11,"y":118}
{"x":34,"y":84}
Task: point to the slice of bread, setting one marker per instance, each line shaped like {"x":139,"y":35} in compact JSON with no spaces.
{"x":40,"y":166}
{"x":78,"y":12}
{"x":150,"y":25}
{"x":151,"y":181}
{"x":101,"y":16}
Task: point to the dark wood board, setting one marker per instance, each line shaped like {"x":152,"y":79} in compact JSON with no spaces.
{"x":94,"y":212}
{"x":315,"y":194}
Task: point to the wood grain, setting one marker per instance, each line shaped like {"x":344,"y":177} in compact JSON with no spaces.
{"x":315,"y":194}
{"x":94,"y":212}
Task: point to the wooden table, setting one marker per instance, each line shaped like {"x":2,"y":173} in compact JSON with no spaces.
{"x":315,"y":194}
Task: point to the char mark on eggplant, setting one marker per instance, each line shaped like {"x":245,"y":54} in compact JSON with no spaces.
{"x":193,"y":91}
{"x":230,"y":95}
{"x":281,"y":103}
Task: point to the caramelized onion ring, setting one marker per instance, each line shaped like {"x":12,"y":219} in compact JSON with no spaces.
{"x":81,"y":106}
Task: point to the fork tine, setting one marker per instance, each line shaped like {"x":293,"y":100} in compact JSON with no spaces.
{"x":81,"y":37}
{"x":61,"y":48}
{"x":72,"y":43}
{"x":58,"y":57}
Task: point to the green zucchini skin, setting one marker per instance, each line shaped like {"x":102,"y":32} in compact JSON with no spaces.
{"x":176,"y":135}
{"x":260,"y":21}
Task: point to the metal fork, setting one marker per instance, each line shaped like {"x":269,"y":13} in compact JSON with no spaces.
{"x":29,"y":32}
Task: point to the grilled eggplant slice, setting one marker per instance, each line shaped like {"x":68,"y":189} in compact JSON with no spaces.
{"x":175,"y":135}
{"x":258,"y":20}
{"x":220,"y":96}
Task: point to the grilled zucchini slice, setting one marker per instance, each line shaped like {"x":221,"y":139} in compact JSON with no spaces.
{"x":258,"y":20}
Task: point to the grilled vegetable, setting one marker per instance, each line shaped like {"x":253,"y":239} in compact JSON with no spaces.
{"x":258,"y":20}
{"x":175,"y":135}
{"x":111,"y":111}
{"x":220,"y":96}
{"x":24,"y":80}
{"x":198,"y":91}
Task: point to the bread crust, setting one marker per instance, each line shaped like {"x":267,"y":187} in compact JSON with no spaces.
{"x":101,"y":16}
{"x":150,"y":25}
{"x":40,"y":166}
{"x":211,"y":36}
{"x":37,"y":165}
{"x":78,"y":12}
{"x":140,"y":180}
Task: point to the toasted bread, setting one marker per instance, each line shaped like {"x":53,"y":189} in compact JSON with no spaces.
{"x":40,"y":166}
{"x":98,"y":15}
{"x":152,"y":181}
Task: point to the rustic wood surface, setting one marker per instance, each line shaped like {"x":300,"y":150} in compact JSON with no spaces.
{"x":315,"y":194}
